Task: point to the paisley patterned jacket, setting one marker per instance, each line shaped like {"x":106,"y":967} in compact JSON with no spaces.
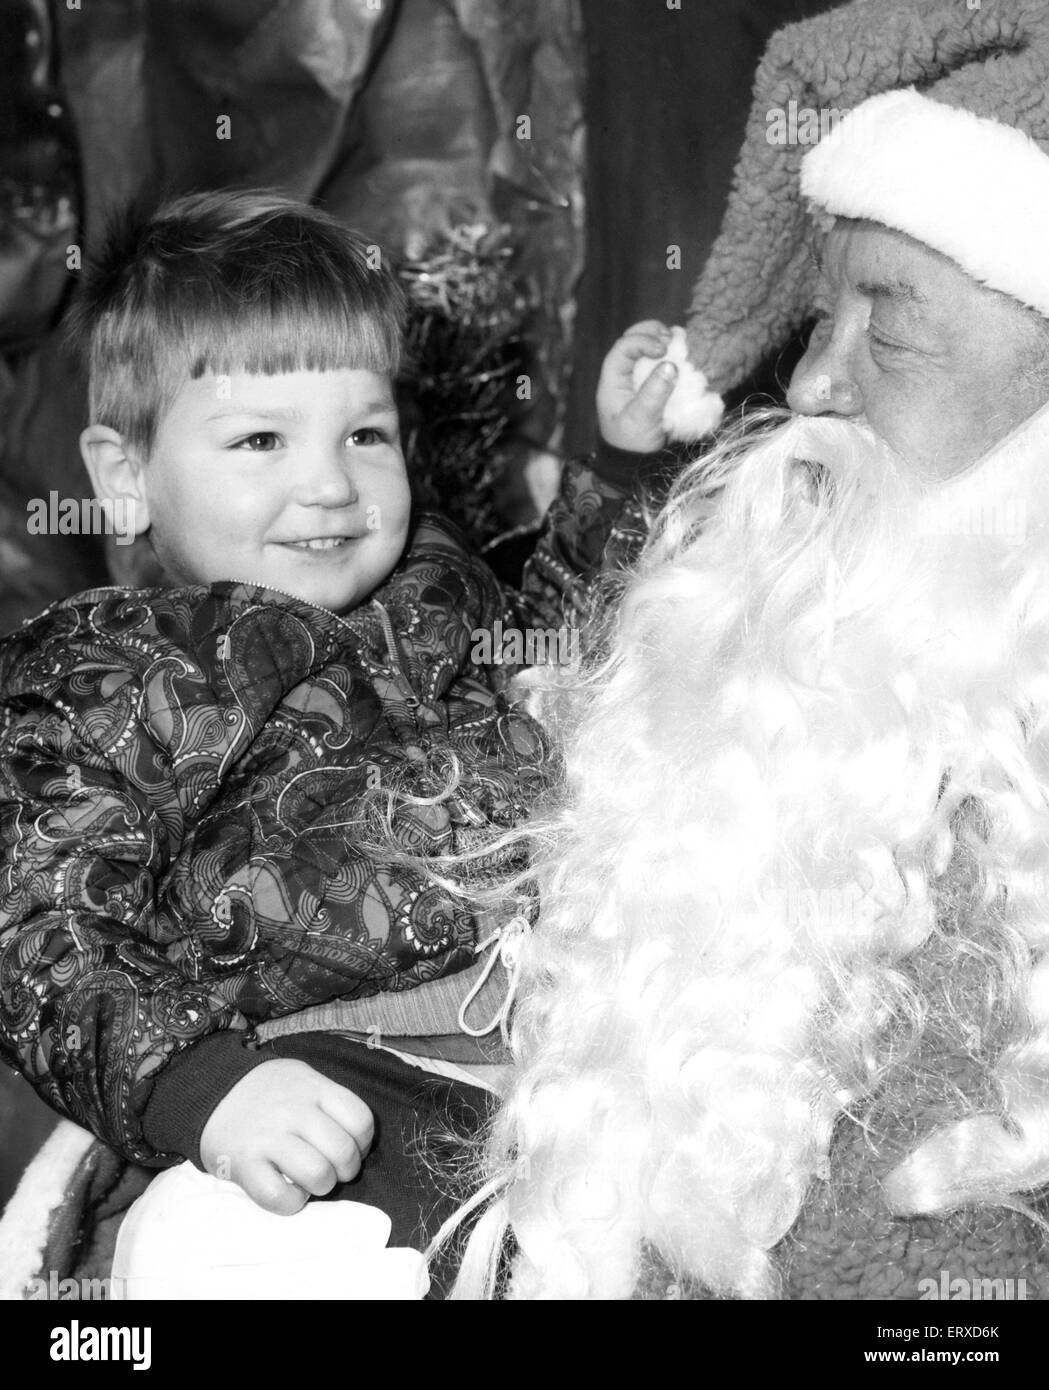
{"x":181,"y":778}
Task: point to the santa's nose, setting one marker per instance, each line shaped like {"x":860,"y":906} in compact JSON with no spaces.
{"x":822,"y":385}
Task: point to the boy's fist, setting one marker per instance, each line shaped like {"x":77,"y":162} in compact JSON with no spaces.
{"x":630,"y":419}
{"x":285,"y":1133}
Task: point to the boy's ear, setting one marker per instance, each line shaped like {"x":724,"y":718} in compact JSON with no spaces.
{"x":114,"y":472}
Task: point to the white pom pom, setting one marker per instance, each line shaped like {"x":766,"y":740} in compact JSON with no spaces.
{"x":693,"y":410}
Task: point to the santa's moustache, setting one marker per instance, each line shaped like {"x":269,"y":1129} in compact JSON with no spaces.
{"x":828,"y":680}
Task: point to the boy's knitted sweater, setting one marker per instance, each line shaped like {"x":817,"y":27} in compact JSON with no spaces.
{"x":182,"y":773}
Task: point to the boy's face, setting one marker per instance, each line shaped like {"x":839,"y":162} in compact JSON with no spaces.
{"x":295,"y":481}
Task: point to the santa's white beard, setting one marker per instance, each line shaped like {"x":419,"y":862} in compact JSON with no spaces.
{"x":815,"y":671}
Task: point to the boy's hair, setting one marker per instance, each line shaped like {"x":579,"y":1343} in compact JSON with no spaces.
{"x":224,"y":282}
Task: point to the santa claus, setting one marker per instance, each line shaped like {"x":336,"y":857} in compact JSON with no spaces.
{"x":783,"y":1029}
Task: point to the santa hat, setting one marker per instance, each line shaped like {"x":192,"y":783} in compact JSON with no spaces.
{"x":935,"y":121}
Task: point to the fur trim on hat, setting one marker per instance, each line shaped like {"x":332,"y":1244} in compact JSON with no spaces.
{"x":975,"y":190}
{"x":28,"y":1216}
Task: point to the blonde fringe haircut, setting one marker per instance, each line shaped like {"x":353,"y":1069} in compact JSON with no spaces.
{"x":810,"y":681}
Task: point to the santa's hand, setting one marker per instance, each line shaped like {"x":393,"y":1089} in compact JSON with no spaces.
{"x":285,"y":1133}
{"x":630,"y":418}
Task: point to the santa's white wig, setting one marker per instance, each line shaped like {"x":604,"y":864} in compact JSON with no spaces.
{"x":826,"y":682}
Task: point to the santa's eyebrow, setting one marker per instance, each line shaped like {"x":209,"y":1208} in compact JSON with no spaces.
{"x":899,"y":291}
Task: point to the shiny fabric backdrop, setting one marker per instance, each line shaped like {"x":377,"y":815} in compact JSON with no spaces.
{"x":402,"y":117}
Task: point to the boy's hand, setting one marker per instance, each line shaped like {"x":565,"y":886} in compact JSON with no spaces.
{"x":284,"y":1120}
{"x":630,"y":419}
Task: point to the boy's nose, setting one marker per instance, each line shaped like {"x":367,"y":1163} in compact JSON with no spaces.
{"x":326,"y":479}
{"x":823,"y":384}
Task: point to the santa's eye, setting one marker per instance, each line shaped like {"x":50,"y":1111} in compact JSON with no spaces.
{"x":881,"y":342}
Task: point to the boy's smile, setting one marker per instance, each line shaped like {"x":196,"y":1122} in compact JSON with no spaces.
{"x":295,"y":481}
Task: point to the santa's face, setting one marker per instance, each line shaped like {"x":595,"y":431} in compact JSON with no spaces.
{"x":940,"y":367}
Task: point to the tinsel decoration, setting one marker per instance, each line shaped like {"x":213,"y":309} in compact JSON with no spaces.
{"x":464,"y":353}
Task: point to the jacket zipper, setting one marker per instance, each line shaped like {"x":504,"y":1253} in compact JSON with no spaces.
{"x":399,"y":674}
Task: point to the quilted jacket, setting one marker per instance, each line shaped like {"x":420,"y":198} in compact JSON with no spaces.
{"x":181,"y":776}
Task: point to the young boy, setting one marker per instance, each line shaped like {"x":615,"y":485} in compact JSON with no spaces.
{"x":184,"y":770}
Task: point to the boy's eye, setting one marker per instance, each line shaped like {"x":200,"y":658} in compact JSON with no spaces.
{"x":260,"y":443}
{"x":368,"y":436}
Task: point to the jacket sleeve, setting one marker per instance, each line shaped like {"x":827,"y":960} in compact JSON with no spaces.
{"x":594,"y":527}
{"x":91,"y":1007}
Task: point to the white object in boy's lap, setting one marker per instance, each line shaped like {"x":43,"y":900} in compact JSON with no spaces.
{"x":192,"y":1236}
